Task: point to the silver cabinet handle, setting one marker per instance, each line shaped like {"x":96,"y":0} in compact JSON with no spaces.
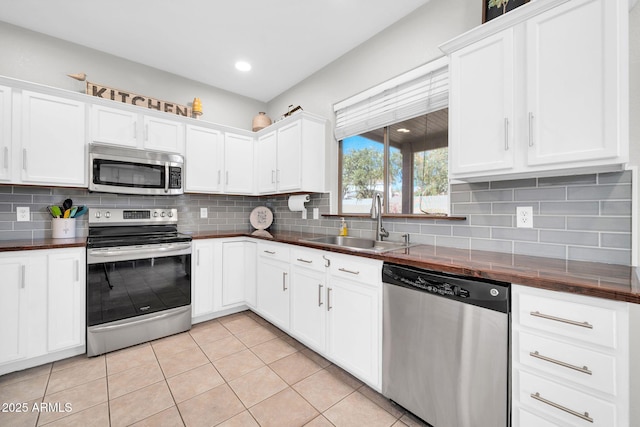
{"x":348,"y":271}
{"x":319,"y":295}
{"x":530,"y":129}
{"x":284,"y":281}
{"x":329,"y":299}
{"x":6,"y":157}
{"x":273,"y":176}
{"x":506,"y":134}
{"x":198,"y":257}
{"x":584,"y":369}
{"x":560,"y":319}
{"x":23,"y":272}
{"x":305,"y":260}
{"x":269,"y":252}
{"x":327,"y":261}
{"x":77,"y":268}
{"x":24,"y":159}
{"x":584,"y":416}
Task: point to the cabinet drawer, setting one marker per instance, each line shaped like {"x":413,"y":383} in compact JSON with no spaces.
{"x":524,"y":418}
{"x":273,"y":251}
{"x":576,"y":320}
{"x":565,"y":361}
{"x":359,"y":269}
{"x":564,"y":403}
{"x":309,"y":258}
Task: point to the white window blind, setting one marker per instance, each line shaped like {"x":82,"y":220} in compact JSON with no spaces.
{"x":418,"y":92}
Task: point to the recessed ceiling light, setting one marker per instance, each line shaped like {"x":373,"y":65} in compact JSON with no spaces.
{"x":243,"y":66}
{"x":404,"y":130}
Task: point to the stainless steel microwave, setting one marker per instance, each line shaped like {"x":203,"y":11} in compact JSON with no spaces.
{"x":130,"y":171}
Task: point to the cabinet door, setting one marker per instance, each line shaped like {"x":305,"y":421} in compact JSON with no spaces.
{"x":204,"y":160}
{"x":114,"y":126}
{"x":308,"y":307}
{"x":203,"y":278}
{"x":288,"y":172}
{"x":573,"y":79}
{"x":163,"y":135}
{"x":66,"y":299}
{"x":238,"y":163}
{"x":353,"y":328}
{"x":5,"y":133}
{"x":233,"y":273}
{"x":13,"y":308}
{"x":273,"y":292}
{"x":267,"y":163}
{"x":53,"y":140}
{"x":481,"y":106}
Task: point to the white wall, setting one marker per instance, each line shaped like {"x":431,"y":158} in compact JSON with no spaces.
{"x":34,"y":57}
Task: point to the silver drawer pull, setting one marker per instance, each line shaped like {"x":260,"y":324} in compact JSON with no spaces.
{"x":560,"y":319}
{"x":305,"y":261}
{"x":584,"y":369}
{"x":319,"y":295}
{"x":584,"y":416}
{"x":284,"y":281}
{"x":348,"y":271}
{"x":269,"y":252}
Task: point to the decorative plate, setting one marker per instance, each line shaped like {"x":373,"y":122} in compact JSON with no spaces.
{"x":261,"y":217}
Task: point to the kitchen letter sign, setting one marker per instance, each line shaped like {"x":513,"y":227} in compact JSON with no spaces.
{"x":134,"y":99}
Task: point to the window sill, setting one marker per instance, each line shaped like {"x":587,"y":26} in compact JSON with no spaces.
{"x":391,"y":216}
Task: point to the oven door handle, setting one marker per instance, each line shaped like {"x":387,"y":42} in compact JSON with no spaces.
{"x":166,"y":177}
{"x":137,"y":253}
{"x":129,"y":322}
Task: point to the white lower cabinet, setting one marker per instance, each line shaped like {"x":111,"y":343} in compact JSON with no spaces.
{"x":223,"y":276}
{"x":336,"y":305}
{"x":273,"y":285}
{"x":570,"y":360}
{"x":42,"y":307}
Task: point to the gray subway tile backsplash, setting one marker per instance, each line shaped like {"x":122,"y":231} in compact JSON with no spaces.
{"x":584,"y":217}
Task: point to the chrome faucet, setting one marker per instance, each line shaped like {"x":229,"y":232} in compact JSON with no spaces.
{"x":376,"y":213}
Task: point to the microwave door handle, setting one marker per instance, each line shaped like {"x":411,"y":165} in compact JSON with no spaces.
{"x":166,"y":177}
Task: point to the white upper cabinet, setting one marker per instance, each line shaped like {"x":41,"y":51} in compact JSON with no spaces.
{"x":542,"y":90}
{"x":51,"y":148}
{"x":291,"y":154}
{"x":238,"y":164}
{"x":122,"y":127}
{"x":204,"y":160}
{"x":5,"y":133}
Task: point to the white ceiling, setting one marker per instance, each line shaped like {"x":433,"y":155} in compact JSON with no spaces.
{"x":285,"y":40}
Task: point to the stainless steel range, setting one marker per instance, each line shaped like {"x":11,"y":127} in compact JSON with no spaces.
{"x":138,"y":278}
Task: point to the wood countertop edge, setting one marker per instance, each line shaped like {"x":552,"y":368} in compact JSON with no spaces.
{"x":553,"y":281}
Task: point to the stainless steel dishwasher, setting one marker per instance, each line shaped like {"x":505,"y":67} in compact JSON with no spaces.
{"x":446,"y":347}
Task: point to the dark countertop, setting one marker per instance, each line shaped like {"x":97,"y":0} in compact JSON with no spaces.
{"x":610,"y":281}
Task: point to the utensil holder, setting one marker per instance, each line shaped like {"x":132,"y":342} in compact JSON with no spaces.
{"x":63,"y":228}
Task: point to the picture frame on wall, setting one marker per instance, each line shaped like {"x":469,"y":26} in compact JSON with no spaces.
{"x":494,"y":8}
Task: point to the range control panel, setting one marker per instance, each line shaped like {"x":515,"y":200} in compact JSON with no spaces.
{"x":115,"y":216}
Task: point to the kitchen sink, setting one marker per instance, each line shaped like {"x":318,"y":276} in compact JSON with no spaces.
{"x":357,"y":243}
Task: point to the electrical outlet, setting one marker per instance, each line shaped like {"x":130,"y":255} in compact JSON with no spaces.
{"x":204,"y":213}
{"x":316,"y":213}
{"x":524,"y":217}
{"x":304,"y":213}
{"x":23,"y":214}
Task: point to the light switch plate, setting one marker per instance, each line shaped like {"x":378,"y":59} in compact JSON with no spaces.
{"x":203,"y":213}
{"x":524,"y":217}
{"x":22,"y":213}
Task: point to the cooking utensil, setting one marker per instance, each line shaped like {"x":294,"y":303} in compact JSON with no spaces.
{"x":55,"y":211}
{"x":81,"y":211}
{"x":73,"y":210}
{"x":67,"y":213}
{"x":66,"y":205}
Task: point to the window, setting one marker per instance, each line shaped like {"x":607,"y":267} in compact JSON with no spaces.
{"x":393,"y":139}
{"x":406,"y":161}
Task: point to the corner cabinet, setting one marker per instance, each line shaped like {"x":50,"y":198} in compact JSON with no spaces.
{"x":42,"y":307}
{"x":238,"y":176}
{"x":571,"y":358}
{"x":291,"y":154}
{"x":542,"y":89}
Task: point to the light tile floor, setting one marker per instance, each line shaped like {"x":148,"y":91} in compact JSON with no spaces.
{"x":237,"y":370}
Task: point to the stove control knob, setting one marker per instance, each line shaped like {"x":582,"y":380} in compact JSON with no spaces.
{"x":98,"y":214}
{"x":163,"y":214}
{"x":170,"y":214}
{"x":107,"y":214}
{"x":155,"y":214}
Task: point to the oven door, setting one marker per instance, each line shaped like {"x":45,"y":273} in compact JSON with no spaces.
{"x":132,"y":281}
